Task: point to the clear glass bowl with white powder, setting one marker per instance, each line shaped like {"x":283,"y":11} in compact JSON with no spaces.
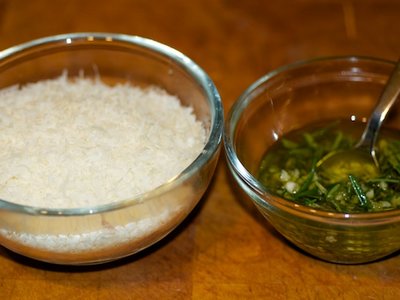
{"x":108,"y":142}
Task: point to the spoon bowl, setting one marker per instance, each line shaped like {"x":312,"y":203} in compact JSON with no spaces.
{"x":357,"y":162}
{"x":362,"y":160}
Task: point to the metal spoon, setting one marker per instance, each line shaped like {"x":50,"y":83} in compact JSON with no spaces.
{"x":364,"y":151}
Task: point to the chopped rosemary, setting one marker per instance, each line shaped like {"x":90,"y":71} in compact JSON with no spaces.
{"x":364,"y":202}
{"x":297,"y":154}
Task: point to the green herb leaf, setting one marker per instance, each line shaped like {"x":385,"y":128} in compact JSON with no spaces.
{"x":364,"y":202}
{"x":288,"y":144}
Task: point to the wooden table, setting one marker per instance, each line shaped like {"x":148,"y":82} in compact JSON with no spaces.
{"x":224,"y":249}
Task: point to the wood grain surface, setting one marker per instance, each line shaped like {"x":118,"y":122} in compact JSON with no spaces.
{"x":224,"y":249}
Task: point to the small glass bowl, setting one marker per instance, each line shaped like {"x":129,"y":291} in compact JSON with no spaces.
{"x":293,"y":97}
{"x":91,"y":235}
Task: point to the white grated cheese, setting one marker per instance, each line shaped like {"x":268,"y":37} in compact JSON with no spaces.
{"x":67,"y":144}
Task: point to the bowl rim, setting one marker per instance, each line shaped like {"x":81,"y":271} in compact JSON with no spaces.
{"x":257,"y":191}
{"x":211,"y":147}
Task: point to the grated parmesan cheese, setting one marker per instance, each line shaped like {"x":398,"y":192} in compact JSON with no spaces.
{"x":68,"y":144}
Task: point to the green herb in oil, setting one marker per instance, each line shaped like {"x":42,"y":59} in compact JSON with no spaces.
{"x":288,"y":169}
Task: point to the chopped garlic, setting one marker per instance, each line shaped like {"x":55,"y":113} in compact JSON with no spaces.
{"x":284,"y":175}
{"x":291,"y":186}
{"x":370,"y":194}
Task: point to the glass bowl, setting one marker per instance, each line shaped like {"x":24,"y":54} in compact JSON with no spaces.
{"x":90,"y":235}
{"x":290,"y":98}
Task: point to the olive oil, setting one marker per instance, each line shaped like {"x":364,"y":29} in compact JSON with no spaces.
{"x":289,"y":169}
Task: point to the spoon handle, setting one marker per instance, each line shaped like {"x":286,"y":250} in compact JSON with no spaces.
{"x":386,"y":100}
